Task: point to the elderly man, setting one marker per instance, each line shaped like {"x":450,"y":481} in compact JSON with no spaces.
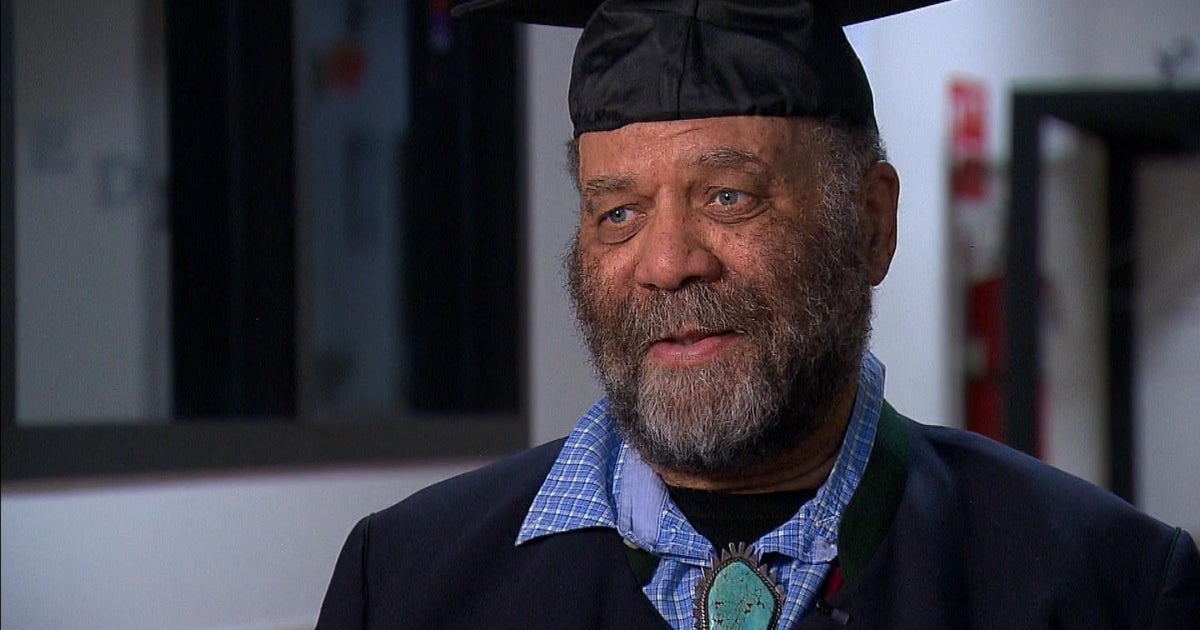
{"x":743,"y":469}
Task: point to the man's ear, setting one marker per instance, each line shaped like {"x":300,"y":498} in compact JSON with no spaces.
{"x":881,"y":195}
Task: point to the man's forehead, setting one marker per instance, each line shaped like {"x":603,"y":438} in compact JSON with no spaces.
{"x":730,"y":141}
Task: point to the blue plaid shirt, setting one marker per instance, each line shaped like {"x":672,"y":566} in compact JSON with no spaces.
{"x":599,"y":481}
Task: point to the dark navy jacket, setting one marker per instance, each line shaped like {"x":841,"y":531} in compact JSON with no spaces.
{"x":947,"y":530}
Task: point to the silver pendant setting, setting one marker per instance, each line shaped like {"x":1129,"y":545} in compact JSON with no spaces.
{"x":737,"y":593}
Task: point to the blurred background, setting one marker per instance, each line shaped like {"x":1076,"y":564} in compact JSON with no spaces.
{"x":271,"y":266}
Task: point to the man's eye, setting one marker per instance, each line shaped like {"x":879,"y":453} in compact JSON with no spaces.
{"x":618,"y":215}
{"x":728,"y":197}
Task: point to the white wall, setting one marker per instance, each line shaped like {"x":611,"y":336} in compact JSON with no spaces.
{"x":255,"y":551}
{"x":95,"y":350}
{"x":561,"y":383}
{"x":1167,"y":340}
{"x":1006,"y":43}
{"x":910,"y":61}
{"x":224,"y":551}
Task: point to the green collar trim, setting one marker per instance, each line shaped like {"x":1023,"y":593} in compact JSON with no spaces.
{"x":869,"y":514}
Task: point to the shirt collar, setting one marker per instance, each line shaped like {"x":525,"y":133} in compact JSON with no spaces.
{"x":576,"y":493}
{"x":599,"y":481}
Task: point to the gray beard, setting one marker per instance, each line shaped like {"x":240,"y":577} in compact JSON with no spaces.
{"x":807,"y":319}
{"x":703,"y":419}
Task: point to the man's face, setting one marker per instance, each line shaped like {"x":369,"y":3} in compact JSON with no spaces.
{"x":721,"y":284}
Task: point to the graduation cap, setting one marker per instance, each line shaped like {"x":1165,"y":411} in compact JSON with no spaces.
{"x":652,"y":60}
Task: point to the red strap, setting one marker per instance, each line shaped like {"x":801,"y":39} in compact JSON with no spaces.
{"x":833,"y":583}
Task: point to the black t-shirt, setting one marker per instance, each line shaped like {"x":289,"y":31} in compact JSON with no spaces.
{"x":732,"y":518}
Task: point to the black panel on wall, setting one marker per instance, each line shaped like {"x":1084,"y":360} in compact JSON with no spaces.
{"x":460,"y":223}
{"x":232,"y":209}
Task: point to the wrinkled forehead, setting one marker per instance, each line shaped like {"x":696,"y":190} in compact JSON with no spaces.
{"x":763,"y":149}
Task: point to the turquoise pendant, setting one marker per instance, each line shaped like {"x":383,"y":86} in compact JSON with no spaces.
{"x":737,"y":593}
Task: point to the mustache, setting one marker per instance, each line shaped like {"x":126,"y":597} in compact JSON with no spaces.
{"x":697,"y":309}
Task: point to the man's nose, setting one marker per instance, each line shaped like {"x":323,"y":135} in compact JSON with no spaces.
{"x":674,"y":254}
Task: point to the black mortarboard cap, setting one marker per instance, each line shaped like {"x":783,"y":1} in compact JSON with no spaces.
{"x":650,"y":60}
